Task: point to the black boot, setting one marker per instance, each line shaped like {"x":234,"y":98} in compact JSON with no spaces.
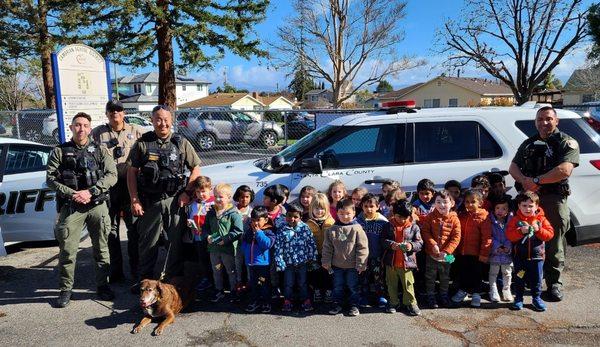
{"x":64,"y":298}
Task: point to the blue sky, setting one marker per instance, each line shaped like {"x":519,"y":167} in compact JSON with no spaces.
{"x":422,"y":20}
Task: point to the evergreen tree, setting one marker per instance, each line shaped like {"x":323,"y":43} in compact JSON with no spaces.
{"x":384,"y":87}
{"x":132,"y":32}
{"x":301,"y":84}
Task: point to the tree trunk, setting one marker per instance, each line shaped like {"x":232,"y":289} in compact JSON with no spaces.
{"x":45,"y":53}
{"x":166,"y":66}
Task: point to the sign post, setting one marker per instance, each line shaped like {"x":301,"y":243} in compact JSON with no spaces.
{"x":81,"y":84}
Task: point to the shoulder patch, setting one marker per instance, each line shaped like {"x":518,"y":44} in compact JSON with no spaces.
{"x":572,"y":143}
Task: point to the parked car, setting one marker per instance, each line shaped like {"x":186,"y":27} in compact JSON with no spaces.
{"x":30,"y":124}
{"x":592,"y":114}
{"x":299,"y":124}
{"x":27,"y":205}
{"x":207,"y":128}
{"x":439,"y":144}
{"x":50,"y":124}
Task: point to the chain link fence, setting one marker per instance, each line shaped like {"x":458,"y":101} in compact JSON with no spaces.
{"x":220,"y":135}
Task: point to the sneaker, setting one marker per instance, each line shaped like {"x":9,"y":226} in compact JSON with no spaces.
{"x":390,"y":309}
{"x":287,"y":306}
{"x":275,"y":293}
{"x":517,"y":305}
{"x":251,"y":307}
{"x":105,"y":293}
{"x":555,"y":294}
{"x":494,"y":295}
{"x":219,"y":295}
{"x":431,"y":301}
{"x":382,"y":302}
{"x":265,"y":308}
{"x":353,"y":311}
{"x":328,"y":296}
{"x":444,"y":300}
{"x":538,"y":304}
{"x":335,"y":309}
{"x":459,"y":296}
{"x":476,"y":300}
{"x":318,"y":297}
{"x":203,"y":285}
{"x":413,"y":310}
{"x":507,"y":295}
{"x":64,"y":298}
{"x":307,"y":306}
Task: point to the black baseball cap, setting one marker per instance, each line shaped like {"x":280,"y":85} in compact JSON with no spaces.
{"x":114,"y":105}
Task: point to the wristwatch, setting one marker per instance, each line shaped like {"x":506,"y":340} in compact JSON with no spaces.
{"x":94,"y":191}
{"x":536,"y":180}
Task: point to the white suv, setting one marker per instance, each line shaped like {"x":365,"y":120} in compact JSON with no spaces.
{"x":439,"y":144}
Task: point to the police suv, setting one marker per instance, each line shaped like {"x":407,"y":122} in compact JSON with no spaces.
{"x":27,"y":205}
{"x":439,"y":144}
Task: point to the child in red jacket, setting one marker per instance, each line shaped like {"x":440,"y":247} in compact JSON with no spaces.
{"x":528,"y":231}
{"x":474,"y":247}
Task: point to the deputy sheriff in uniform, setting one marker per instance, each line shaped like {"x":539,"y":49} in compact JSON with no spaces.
{"x":543,"y":164}
{"x":118,"y":137}
{"x":158,"y":190}
{"x":82,"y":174}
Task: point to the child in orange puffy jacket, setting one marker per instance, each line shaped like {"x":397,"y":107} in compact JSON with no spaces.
{"x":528,"y":231}
{"x":474,"y":247}
{"x":441,"y":236}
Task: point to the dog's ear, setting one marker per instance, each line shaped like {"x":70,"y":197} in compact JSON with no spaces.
{"x":160,"y":288}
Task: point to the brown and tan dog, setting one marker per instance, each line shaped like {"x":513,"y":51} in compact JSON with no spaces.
{"x":159,"y":299}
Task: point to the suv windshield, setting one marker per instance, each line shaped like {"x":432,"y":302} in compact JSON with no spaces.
{"x":293,"y":151}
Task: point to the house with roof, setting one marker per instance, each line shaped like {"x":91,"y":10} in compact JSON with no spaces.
{"x":277,"y":102}
{"x":140,"y":91}
{"x":444,"y":91}
{"x":582,"y":86}
{"x":323,"y":98}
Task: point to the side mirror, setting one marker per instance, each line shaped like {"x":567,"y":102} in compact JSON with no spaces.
{"x":311,"y":165}
{"x":277,"y":162}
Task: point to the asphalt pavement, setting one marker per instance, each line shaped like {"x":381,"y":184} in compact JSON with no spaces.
{"x":27,"y":317}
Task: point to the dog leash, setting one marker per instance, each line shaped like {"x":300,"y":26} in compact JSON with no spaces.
{"x":164,"y":269}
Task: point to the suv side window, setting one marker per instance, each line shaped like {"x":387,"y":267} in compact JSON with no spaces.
{"x":588,"y":139}
{"x":453,"y":141}
{"x":359,"y":146}
{"x":221,"y":116}
{"x":26,"y":158}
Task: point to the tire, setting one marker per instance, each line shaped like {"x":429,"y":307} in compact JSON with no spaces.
{"x":205,"y":141}
{"x":268,"y":139}
{"x":32,"y":135}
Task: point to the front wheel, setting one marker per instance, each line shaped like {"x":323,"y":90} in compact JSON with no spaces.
{"x":268,"y":139}
{"x":206,"y":141}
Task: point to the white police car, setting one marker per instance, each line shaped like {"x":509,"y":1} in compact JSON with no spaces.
{"x":439,"y":144}
{"x":27,"y":206}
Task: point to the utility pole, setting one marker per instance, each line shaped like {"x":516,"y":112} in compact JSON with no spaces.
{"x":116,"y":82}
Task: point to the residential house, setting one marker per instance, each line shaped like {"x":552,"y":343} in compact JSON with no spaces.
{"x":582,"y":86}
{"x":233,"y":101}
{"x":323,"y":98}
{"x":278,"y":102}
{"x":548,"y":96}
{"x":140,"y":92}
{"x":377,"y":100}
{"x":444,"y":91}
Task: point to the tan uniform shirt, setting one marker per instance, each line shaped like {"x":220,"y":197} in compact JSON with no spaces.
{"x":103,"y":134}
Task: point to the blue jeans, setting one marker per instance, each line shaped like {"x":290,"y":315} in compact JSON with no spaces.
{"x":534,"y":269}
{"x":295,"y":274}
{"x":260,"y":283}
{"x":343,"y":278}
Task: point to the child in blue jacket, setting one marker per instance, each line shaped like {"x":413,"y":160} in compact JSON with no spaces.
{"x":295,"y":248}
{"x":257,"y":240}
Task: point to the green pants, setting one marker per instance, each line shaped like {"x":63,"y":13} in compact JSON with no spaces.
{"x":556,"y":210}
{"x":433,"y":270}
{"x":68,"y":233}
{"x":158,"y":216}
{"x":392,"y":275}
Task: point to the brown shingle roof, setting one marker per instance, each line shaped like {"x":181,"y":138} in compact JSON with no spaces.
{"x":268,"y":100}
{"x":480,"y":86}
{"x":214,"y":100}
{"x":399,"y":93}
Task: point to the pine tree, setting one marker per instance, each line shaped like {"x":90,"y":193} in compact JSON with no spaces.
{"x":301,"y":84}
{"x":384,"y":87}
{"x":132,"y":32}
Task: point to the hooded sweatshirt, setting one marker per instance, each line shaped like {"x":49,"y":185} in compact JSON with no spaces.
{"x":226,"y":226}
{"x":256,"y":246}
{"x":373,"y":228}
{"x":346,"y":246}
